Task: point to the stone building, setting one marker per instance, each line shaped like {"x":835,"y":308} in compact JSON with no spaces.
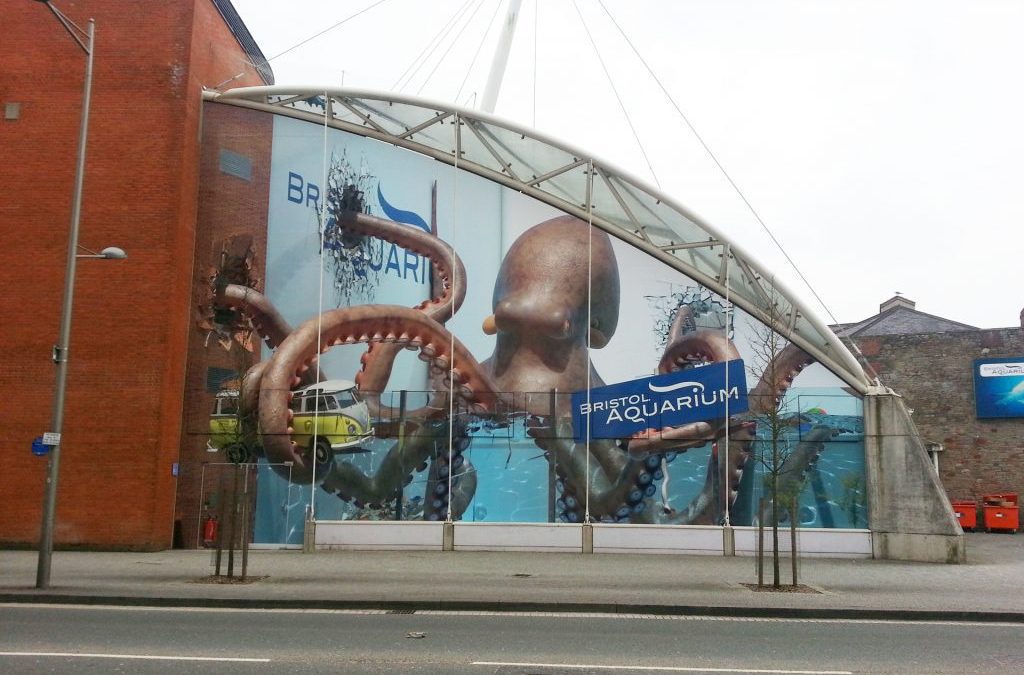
{"x":929,"y":360}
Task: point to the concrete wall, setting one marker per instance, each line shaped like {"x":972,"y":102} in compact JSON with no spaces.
{"x":909,"y":513}
{"x":575,"y":538}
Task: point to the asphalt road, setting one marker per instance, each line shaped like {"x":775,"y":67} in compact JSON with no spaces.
{"x":48,"y":639}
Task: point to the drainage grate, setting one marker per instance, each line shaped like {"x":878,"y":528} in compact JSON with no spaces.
{"x":401,"y":611}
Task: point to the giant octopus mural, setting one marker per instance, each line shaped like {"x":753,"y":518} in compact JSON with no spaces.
{"x":543,"y":342}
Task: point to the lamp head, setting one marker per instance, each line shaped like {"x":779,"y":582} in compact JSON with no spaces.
{"x":110,"y":252}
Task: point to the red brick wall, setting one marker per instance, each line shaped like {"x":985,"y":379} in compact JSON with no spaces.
{"x":130,"y":329}
{"x":228,"y":206}
{"x":934,"y":373}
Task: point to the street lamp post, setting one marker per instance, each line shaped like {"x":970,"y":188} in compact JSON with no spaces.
{"x":84,"y":39}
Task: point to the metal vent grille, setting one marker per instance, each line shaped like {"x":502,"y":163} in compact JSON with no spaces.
{"x":235,"y":164}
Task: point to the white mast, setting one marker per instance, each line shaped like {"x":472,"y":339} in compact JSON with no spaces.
{"x":501,"y":52}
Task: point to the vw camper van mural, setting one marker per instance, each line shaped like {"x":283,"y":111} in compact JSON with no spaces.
{"x":328,"y":418}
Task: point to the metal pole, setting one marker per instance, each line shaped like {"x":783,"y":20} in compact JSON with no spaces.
{"x":726,"y":475}
{"x":552,"y":458}
{"x":203,"y":506}
{"x":60,"y":350}
{"x":402,"y":401}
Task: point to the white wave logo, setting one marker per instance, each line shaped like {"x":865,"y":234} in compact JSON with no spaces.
{"x":1000,"y":369}
{"x":672,"y":387}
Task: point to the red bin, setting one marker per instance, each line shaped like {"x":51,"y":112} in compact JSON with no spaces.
{"x":967,"y":513}
{"x":1001,"y":512}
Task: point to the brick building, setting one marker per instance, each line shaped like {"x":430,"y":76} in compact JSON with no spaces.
{"x":929,"y":361}
{"x":130,"y":333}
{"x":139,"y":394}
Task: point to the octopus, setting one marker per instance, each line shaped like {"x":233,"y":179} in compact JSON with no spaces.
{"x":543,"y":336}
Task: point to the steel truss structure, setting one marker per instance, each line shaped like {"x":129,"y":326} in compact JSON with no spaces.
{"x":572,"y":181}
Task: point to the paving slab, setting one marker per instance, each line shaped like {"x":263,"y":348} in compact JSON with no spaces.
{"x":990,"y":586}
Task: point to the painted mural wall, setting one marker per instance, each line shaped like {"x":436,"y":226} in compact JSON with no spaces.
{"x":484,"y":311}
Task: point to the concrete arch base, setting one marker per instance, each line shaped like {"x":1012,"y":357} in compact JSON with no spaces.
{"x":910,"y":516}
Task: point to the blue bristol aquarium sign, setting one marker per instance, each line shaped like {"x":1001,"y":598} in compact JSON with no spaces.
{"x":999,"y":387}
{"x":669,"y":400}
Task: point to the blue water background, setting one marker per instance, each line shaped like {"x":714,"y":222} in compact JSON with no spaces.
{"x":514,"y":482}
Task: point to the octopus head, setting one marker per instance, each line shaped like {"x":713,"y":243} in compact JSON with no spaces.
{"x":542,"y":291}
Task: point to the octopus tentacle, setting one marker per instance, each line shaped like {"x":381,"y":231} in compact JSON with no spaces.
{"x":402,"y":325}
{"x":273,"y":329}
{"x":401,"y":461}
{"x":422,"y":444}
{"x":248,"y":407}
{"x":777,"y":378}
{"x":685,"y":321}
{"x":696,"y":512}
{"x":616,"y":497}
{"x":463,"y":486}
{"x":267,"y":321}
{"x":447,"y":268}
{"x":804,"y":456}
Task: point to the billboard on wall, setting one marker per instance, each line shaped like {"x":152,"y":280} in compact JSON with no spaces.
{"x":670,"y":400}
{"x":488,"y":309}
{"x":999,"y":387}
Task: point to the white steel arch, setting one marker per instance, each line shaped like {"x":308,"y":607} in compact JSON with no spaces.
{"x":558,"y":174}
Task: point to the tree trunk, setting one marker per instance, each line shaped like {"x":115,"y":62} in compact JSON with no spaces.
{"x":776,"y":581}
{"x":792,"y":534}
{"x":233,"y":521}
{"x":760,"y":543}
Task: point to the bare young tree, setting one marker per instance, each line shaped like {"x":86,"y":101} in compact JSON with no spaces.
{"x":233,"y":428}
{"x":774,"y":448}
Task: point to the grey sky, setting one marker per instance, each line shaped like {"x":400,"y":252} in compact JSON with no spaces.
{"x":880,"y":141}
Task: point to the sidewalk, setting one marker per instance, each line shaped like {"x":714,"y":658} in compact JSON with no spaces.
{"x":989,"y":587}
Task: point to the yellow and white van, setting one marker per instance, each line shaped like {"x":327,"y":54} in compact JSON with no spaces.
{"x":330,"y":417}
{"x":224,"y":430}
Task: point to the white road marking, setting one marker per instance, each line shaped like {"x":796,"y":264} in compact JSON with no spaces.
{"x":212,"y":610}
{"x":672,"y":669}
{"x":142,"y":657}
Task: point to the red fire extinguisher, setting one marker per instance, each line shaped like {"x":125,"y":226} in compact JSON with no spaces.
{"x":210,"y":531}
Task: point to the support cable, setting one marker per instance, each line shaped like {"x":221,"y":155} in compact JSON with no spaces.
{"x":325,"y":30}
{"x":536,"y":14}
{"x":590,"y":287}
{"x":727,"y":472}
{"x":736,"y":188}
{"x":315,"y":442}
{"x":455,"y":282}
{"x":455,"y":41}
{"x":476,"y":54}
{"x":622,"y":106}
{"x":429,"y":49}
